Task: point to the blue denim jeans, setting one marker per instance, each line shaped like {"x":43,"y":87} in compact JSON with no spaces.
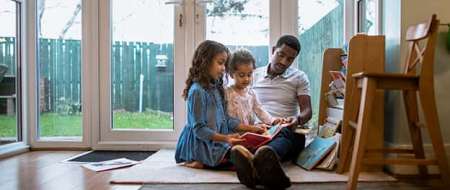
{"x":287,"y":144}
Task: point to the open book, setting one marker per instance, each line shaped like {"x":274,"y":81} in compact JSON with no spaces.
{"x":254,"y":140}
{"x":110,"y":164}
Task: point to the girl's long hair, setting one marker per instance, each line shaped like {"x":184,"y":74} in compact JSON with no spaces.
{"x":201,"y":62}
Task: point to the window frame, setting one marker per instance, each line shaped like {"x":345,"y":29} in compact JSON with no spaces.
{"x":21,"y":144}
{"x":33,"y":82}
{"x":359,"y":14}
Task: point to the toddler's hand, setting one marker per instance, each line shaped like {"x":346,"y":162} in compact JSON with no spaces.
{"x":260,"y":128}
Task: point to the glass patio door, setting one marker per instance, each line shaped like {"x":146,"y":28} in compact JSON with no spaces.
{"x":60,"y":63}
{"x":146,"y":49}
{"x":141,"y":63}
{"x":10,"y":72}
{"x":240,"y":24}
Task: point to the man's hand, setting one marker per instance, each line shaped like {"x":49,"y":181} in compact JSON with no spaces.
{"x":290,"y":122}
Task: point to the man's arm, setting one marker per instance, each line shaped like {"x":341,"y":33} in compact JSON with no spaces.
{"x":304,"y":101}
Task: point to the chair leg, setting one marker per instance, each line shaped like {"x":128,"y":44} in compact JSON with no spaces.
{"x":347,"y":139}
{"x":429,"y":109}
{"x":410,"y":100}
{"x":367,"y":98}
{"x":348,"y":132}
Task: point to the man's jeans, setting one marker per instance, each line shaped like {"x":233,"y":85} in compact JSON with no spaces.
{"x":287,"y":144}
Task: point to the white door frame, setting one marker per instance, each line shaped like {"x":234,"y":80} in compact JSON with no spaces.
{"x":22,"y":144}
{"x":107,"y":138}
{"x":355,"y":17}
{"x":32,"y":119}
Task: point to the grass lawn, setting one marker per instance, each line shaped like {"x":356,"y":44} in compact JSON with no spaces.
{"x":53,"y":124}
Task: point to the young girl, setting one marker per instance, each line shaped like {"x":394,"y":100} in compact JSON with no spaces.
{"x":209,"y":132}
{"x":242,"y":101}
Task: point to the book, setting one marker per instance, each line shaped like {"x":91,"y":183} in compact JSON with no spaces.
{"x":315,"y":152}
{"x":332,"y":100}
{"x":334,"y":112}
{"x":337,"y":89}
{"x":110,"y":164}
{"x":336,"y":75}
{"x":329,"y":128}
{"x":331,"y":159}
{"x":337,"y":85}
{"x":304,"y":129}
{"x":254,"y":140}
{"x":340,"y":103}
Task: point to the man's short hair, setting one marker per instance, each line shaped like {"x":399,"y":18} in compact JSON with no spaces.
{"x":290,"y":41}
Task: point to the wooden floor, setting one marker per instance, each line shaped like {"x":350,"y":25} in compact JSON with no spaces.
{"x":43,"y":170}
{"x":38,"y":170}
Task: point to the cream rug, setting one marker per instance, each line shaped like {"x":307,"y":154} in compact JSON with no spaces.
{"x":161,"y":168}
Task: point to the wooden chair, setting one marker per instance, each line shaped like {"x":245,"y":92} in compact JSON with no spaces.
{"x":414,"y":80}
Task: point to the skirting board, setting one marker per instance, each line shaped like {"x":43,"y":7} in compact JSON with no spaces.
{"x":412,"y":170}
{"x":13,"y":149}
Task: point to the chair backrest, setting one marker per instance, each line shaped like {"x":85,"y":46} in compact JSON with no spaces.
{"x":421,"y":40}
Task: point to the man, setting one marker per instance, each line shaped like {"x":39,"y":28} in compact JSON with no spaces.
{"x":283,"y":92}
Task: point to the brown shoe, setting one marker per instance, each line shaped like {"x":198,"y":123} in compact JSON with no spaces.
{"x":243,"y":161}
{"x":269,"y":170}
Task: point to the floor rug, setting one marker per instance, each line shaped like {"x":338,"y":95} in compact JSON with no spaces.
{"x":160,"y":168}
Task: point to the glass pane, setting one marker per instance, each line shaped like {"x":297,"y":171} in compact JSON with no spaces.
{"x":240,"y":24}
{"x":367,"y":16}
{"x":321,"y":26}
{"x":8,"y":72}
{"x":59,"y":69}
{"x":142,"y":64}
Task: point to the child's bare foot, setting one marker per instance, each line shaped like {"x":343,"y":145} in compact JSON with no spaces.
{"x":194,"y":164}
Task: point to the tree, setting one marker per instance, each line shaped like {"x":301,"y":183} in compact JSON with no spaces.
{"x":41,"y":9}
{"x":221,"y":8}
{"x":225,"y":7}
{"x":71,"y":21}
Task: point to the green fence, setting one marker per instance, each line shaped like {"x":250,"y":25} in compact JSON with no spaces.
{"x":131,"y":59}
{"x":8,"y":54}
{"x":327,"y":33}
{"x":60,"y":64}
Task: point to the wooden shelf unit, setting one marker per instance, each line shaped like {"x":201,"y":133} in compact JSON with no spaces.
{"x":366,"y":53}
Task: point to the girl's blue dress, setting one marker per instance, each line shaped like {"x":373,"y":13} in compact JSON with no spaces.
{"x":205,"y":116}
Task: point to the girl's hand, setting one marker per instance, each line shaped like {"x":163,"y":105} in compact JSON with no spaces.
{"x":234,"y":135}
{"x":234,"y":139}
